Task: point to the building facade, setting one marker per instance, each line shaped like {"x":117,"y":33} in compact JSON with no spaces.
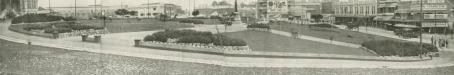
{"x":434,"y":15}
{"x":153,"y":10}
{"x":86,"y":12}
{"x":28,"y":6}
{"x":272,"y":9}
{"x":355,"y":11}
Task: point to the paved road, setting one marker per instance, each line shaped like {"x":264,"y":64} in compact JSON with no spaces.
{"x":121,"y":44}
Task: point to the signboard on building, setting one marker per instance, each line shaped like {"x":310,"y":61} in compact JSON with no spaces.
{"x":435,"y":24}
{"x":435,"y":16}
{"x":277,"y":5}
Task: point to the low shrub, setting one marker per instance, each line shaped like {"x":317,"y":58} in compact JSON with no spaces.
{"x":222,"y":40}
{"x":32,"y":18}
{"x":195,"y":39}
{"x":36,"y":27}
{"x":398,"y":48}
{"x":199,"y":18}
{"x":58,"y":30}
{"x":191,"y":36}
{"x":164,"y":35}
{"x":191,"y":21}
{"x":215,"y":17}
{"x":323,"y":25}
{"x":259,"y":25}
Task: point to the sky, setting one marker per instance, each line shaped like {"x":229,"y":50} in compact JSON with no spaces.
{"x":186,"y":4}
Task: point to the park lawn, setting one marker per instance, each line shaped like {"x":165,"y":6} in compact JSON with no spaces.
{"x":265,"y":41}
{"x":135,"y":25}
{"x":21,"y":59}
{"x":328,"y":33}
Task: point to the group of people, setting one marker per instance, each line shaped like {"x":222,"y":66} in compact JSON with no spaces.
{"x":439,"y":42}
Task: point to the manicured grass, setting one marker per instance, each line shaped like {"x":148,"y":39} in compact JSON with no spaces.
{"x":20,"y":59}
{"x":135,"y":25}
{"x":264,"y":41}
{"x":326,"y":33}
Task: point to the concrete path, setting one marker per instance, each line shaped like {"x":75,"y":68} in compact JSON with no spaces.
{"x":317,"y":39}
{"x":121,"y":44}
{"x":390,"y":34}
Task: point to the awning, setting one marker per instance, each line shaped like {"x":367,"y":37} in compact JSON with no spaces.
{"x":406,"y":26}
{"x":389,"y":5}
{"x":383,"y":18}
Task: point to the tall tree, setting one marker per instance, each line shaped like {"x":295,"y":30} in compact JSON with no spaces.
{"x":121,"y":12}
{"x":195,"y":13}
{"x":133,"y":12}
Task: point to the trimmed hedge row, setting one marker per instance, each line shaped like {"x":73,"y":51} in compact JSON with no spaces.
{"x":399,"y":48}
{"x":322,"y":25}
{"x":191,"y":36}
{"x":191,"y":21}
{"x":32,"y":18}
{"x":259,"y":25}
{"x":61,"y":27}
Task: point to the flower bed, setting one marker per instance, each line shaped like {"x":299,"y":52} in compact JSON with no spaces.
{"x":191,"y":36}
{"x":196,"y":47}
{"x":399,"y":48}
{"x":259,"y":27}
{"x":191,"y":21}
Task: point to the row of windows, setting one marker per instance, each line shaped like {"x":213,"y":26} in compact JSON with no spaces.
{"x":356,"y":10}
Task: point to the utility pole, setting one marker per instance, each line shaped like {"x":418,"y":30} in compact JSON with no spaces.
{"x":50,"y":10}
{"x":420,"y":28}
{"x":75,"y":9}
{"x":148,"y":9}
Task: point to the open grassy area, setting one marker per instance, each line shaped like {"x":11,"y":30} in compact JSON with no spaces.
{"x":135,"y":25}
{"x":20,"y":59}
{"x":264,"y":41}
{"x":326,"y":33}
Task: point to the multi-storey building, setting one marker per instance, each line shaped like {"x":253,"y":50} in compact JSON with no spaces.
{"x":355,"y":10}
{"x":28,"y":6}
{"x":155,"y":9}
{"x":433,"y":15}
{"x":272,"y":9}
{"x":385,"y":10}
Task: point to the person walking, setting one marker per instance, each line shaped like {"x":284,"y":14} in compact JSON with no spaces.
{"x":432,"y":39}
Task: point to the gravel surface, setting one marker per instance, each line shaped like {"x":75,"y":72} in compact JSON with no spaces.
{"x":20,"y":59}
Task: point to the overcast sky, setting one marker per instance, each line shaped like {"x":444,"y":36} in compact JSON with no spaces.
{"x":186,"y":4}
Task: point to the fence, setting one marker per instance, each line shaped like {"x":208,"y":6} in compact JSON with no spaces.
{"x":197,"y":47}
{"x":76,"y":33}
{"x":259,"y":29}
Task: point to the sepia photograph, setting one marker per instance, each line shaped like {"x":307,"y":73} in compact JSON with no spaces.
{"x":226,"y":37}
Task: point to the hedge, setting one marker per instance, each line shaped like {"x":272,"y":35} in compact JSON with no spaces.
{"x":398,"y":48}
{"x":191,"y":36}
{"x":58,"y":30}
{"x":222,"y":40}
{"x":32,"y":18}
{"x":259,"y":25}
{"x":65,"y":25}
{"x":191,"y":21}
{"x":323,"y":25}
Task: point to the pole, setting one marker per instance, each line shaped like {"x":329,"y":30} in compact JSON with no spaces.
{"x":49,"y":7}
{"x":420,"y":28}
{"x":148,"y":9}
{"x":75,"y":9}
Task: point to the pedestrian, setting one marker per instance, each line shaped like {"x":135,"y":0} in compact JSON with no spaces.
{"x":432,"y":39}
{"x":439,"y":43}
{"x":447,"y":44}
